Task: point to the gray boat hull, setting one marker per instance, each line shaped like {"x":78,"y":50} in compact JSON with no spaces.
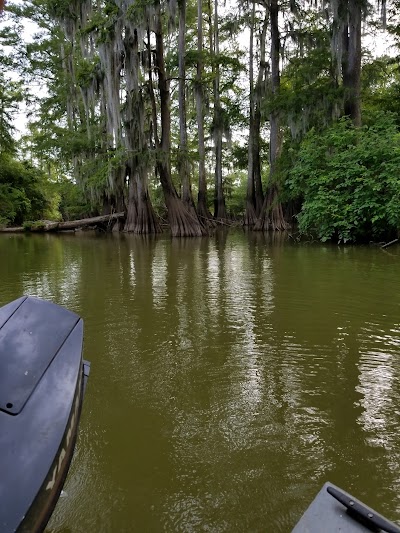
{"x":328,"y":515}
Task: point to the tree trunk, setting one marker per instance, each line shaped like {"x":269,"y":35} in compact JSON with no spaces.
{"x":259,"y":94}
{"x":250,"y":213}
{"x":219,"y":199}
{"x":45,"y":225}
{"x":183,"y":222}
{"x":202,"y":203}
{"x":110,"y":58}
{"x":352,"y":63}
{"x":183,"y":156}
{"x":131,"y":212}
{"x":106,"y":204}
{"x":258,"y":190}
{"x":117,"y":189}
{"x":154,"y":137}
{"x":272,"y":214}
{"x":74,"y":224}
{"x":111,"y":203}
{"x":140,"y":214}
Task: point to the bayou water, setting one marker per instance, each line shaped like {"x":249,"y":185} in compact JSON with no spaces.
{"x":231,"y":376}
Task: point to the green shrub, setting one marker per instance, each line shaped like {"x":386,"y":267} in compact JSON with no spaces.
{"x":22,"y":191}
{"x":349,"y":181}
{"x":38,"y":225}
{"x":27,"y":225}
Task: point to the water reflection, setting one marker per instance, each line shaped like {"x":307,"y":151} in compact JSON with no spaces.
{"x":132,"y":270}
{"x":58,"y":284}
{"x":159,"y":270}
{"x":376,"y":384}
{"x":379,"y":387}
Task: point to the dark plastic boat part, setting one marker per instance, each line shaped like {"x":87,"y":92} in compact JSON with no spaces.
{"x":42,"y":384}
{"x":333,"y":510}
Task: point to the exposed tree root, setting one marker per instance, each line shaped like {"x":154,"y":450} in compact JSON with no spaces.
{"x":250,"y":216}
{"x":271,"y":217}
{"x":183,"y":222}
{"x":141,"y":218}
{"x":203,"y":213}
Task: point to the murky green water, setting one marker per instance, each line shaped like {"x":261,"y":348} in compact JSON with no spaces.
{"x":231,"y":377}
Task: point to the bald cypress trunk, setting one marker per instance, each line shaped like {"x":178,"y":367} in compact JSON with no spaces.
{"x":271,"y":216}
{"x":352,"y":62}
{"x":183,"y":156}
{"x":219,"y":199}
{"x":182,"y":221}
{"x":202,"y":203}
{"x":255,"y":196}
{"x":258,"y":102}
{"x":346,"y":48}
{"x":111,"y":63}
{"x":140,"y":213}
{"x":250,"y":212}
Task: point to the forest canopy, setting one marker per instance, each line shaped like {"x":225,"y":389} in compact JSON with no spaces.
{"x":273,"y":114}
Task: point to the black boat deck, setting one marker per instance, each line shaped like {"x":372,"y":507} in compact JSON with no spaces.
{"x":41,"y":390}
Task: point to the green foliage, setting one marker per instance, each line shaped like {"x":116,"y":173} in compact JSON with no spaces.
{"x":349,"y":181}
{"x":158,"y":201}
{"x":22,"y":191}
{"x":30,"y":225}
{"x":73,"y":204}
{"x":381,"y":85}
{"x":86,"y":71}
{"x":103,"y":22}
{"x":60,"y":8}
{"x":235,"y":191}
{"x":10,"y":96}
{"x":308,"y":95}
{"x":27,"y":225}
{"x":13,"y":204}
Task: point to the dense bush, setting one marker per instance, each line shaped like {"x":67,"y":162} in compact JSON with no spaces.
{"x":22,"y":194}
{"x":73,"y":203}
{"x":349,"y":181}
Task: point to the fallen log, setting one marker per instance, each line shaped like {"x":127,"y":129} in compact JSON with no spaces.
{"x":19,"y":229}
{"x":45,"y":225}
{"x":74,"y":224}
